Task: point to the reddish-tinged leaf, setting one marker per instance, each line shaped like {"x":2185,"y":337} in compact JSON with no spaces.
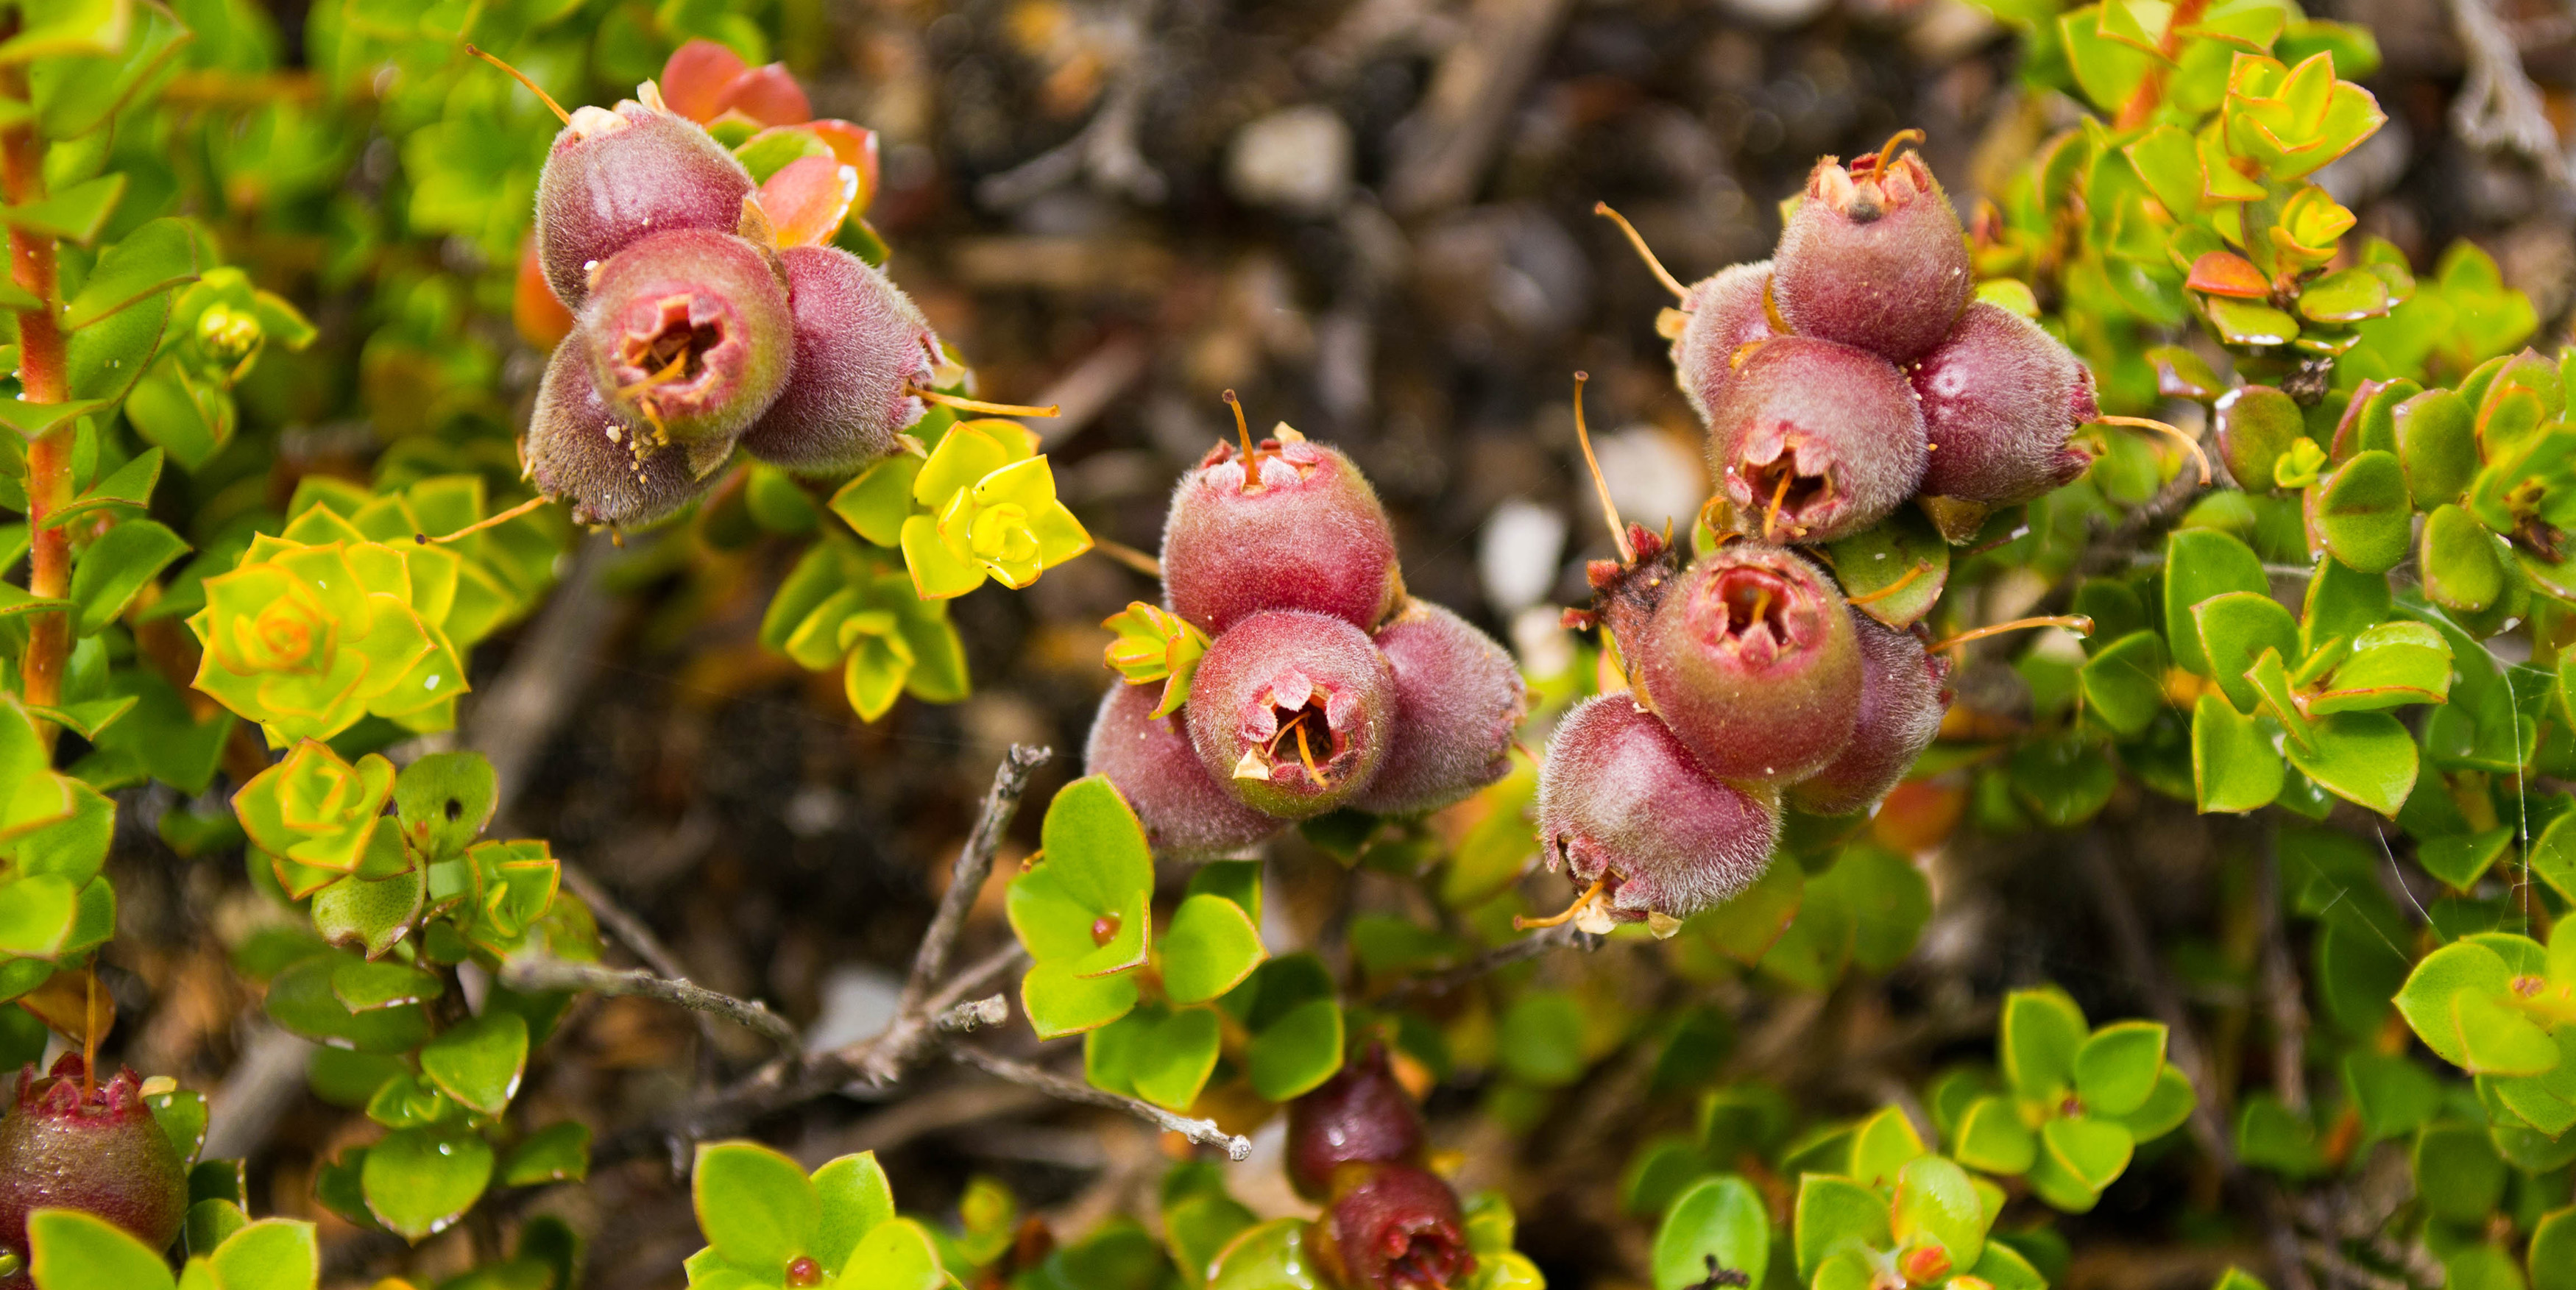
{"x":2221,"y":273}
{"x":806,"y":200}
{"x":541,"y":319}
{"x":767,"y":95}
{"x":856,"y":146}
{"x":695,"y":81}
{"x":75,"y":1005}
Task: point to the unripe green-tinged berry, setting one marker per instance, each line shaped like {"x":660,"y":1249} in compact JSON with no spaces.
{"x":1400,"y":1229}
{"x":860,"y":344}
{"x":1902,"y":697}
{"x":614,"y":178}
{"x":1290,"y":711}
{"x":1458,"y":698}
{"x":1752,"y":661}
{"x":1622,"y":803}
{"x":577,"y":449}
{"x":1815,"y":441}
{"x":1874,"y":257}
{"x":1361,"y":1116}
{"x":1999,"y":397}
{"x":1186,"y":813}
{"x":1296,"y":527}
{"x":1724,"y":313}
{"x":689,"y":332}
{"x":98,"y":1151}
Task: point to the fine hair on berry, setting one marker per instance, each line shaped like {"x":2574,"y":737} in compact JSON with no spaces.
{"x":1458,"y":698}
{"x":578,"y":449}
{"x":1724,"y":312}
{"x":1873,"y":257}
{"x":1399,"y":1229}
{"x":1187,"y":814}
{"x":1815,"y":441}
{"x":1999,"y":398}
{"x":69,"y":1142}
{"x":1295,"y":527}
{"x":1292,"y":710}
{"x":689,"y":332}
{"x":860,"y":345}
{"x":616,"y":177}
{"x":1752,"y":661}
{"x":1902,"y":697}
{"x":1361,"y":1116}
{"x":1622,"y":803}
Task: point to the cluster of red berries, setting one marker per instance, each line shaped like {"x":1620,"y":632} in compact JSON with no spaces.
{"x":70,"y":1143}
{"x":694,"y":329}
{"x":1324,"y":684}
{"x":1850,"y":374}
{"x":1356,"y":1146}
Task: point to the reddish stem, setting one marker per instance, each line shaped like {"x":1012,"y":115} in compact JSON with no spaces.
{"x":41,"y":376}
{"x":2151,"y":91}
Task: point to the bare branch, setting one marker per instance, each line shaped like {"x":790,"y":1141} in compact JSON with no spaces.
{"x":974,"y":864}
{"x":2281,"y":988}
{"x":1203,"y":1132}
{"x":620,"y":921}
{"x":1501,"y":956}
{"x":991,"y":1010}
{"x":539,"y":973}
{"x":2498,"y":107}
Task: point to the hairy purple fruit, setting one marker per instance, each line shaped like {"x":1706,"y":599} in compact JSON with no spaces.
{"x":1187,"y":815}
{"x":1752,"y":661}
{"x":1290,"y":711}
{"x":1816,"y":441}
{"x":859,"y":344}
{"x":1725,"y":313}
{"x":1400,"y":1229}
{"x":577,"y":449}
{"x":98,"y":1151}
{"x":1622,"y":803}
{"x":1999,"y":397}
{"x":1902,"y":696}
{"x":1295,"y":527}
{"x":1361,"y":1116}
{"x":1458,"y":698}
{"x":689,"y":332}
{"x":1874,"y":257}
{"x":614,"y":178}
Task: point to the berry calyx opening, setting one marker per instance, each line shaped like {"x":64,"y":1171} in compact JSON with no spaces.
{"x":1755,"y":605}
{"x":1301,"y":726}
{"x":1788,"y":488}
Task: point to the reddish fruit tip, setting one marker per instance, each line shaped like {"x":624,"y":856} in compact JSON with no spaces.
{"x":1816,"y":441}
{"x":577,"y":449}
{"x":1458,"y":699}
{"x":860,"y":346}
{"x":1361,"y":1116}
{"x":1725,"y":313}
{"x":614,"y":178}
{"x":97,"y":1150}
{"x":1398,"y":1230}
{"x":1752,"y":661}
{"x":1999,"y":397}
{"x":1873,"y":259}
{"x":689,"y":331}
{"x":1187,"y":814}
{"x":1290,"y":710}
{"x":1295,"y":527}
{"x":1622,"y":802}
{"x":1902,"y":697}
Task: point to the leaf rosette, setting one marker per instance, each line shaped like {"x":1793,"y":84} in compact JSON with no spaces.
{"x":306,"y":639}
{"x":317,"y":815}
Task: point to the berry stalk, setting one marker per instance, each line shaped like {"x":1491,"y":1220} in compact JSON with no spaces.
{"x":42,"y":379}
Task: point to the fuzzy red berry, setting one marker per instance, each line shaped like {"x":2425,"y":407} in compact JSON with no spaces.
{"x":577,"y":449}
{"x":1902,"y":697}
{"x":1815,"y":441}
{"x":1186,"y":813}
{"x":1621,"y":802}
{"x":1361,"y":1116}
{"x":96,"y":1150}
{"x":1295,"y":528}
{"x":1458,"y":698}
{"x":1874,"y":257}
{"x":1398,"y":1230}
{"x":1998,"y":398}
{"x":1752,"y":661}
{"x":1291,"y":711}
{"x":1725,"y":314}
{"x":689,"y":332}
{"x":859,"y":344}
{"x":614,"y":178}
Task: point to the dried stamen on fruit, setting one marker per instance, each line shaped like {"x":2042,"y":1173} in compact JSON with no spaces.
{"x":1585,"y":910}
{"x":2190,"y":444}
{"x":1600,"y":485}
{"x":522,"y":78}
{"x":2079,"y":624}
{"x":1637,"y":240}
{"x":964,"y":404}
{"x":1243,"y":431}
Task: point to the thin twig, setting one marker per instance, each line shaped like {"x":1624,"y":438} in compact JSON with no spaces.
{"x":974,"y":864}
{"x":2281,"y":990}
{"x":2498,"y":107}
{"x":1501,"y":956}
{"x":621,"y":922}
{"x":1203,"y":1132}
{"x":539,"y":973}
{"x":991,"y":1010}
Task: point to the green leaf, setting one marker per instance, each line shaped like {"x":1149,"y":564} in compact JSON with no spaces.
{"x":2116,"y":1068}
{"x":271,"y":1254}
{"x":70,"y":1250}
{"x":2248,"y":324}
{"x":2436,"y":446}
{"x":2457,"y":1172}
{"x":879,"y":500}
{"x":1895,"y":571}
{"x":444,"y":801}
{"x":2462,"y":858}
{"x":302,"y":999}
{"x":76,"y":214}
{"x":33,"y":420}
{"x":1174,"y":1063}
{"x":151,"y":259}
{"x":1096,"y":846}
{"x":418,"y":1182}
{"x":2392,"y":664}
{"x":479,"y":1062}
{"x":2345,"y":296}
{"x":106,"y":359}
{"x":1059,"y":1002}
{"x":756,"y":1207}
{"x":106,"y":576}
{"x":2366,"y":758}
{"x":1936,"y":1202}
{"x":856,"y":1198}
{"x":2256,"y":425}
{"x":1992,"y":1137}
{"x":362,"y":987}
{"x":208,"y":1222}
{"x":2201,"y":563}
{"x":1883,"y":1144}
{"x":36,"y":915}
{"x":2553,"y":1251}
{"x":1719,"y":1225}
{"x":2123,"y":682}
{"x":2393,"y":1095}
{"x":181,"y":1113}
{"x":1211,"y":946}
{"x":2233,"y":767}
{"x":2453,"y":1000}
{"x":1541,"y":1039}
{"x":2361,"y":514}
{"x":2041,"y":1033}
{"x":897,"y":1255}
{"x":129,"y":488}
{"x":2235,"y":629}
{"x":559,"y":1152}
{"x":1299,"y":1051}
{"x":1834,"y":1215}
{"x":2094,"y":1151}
